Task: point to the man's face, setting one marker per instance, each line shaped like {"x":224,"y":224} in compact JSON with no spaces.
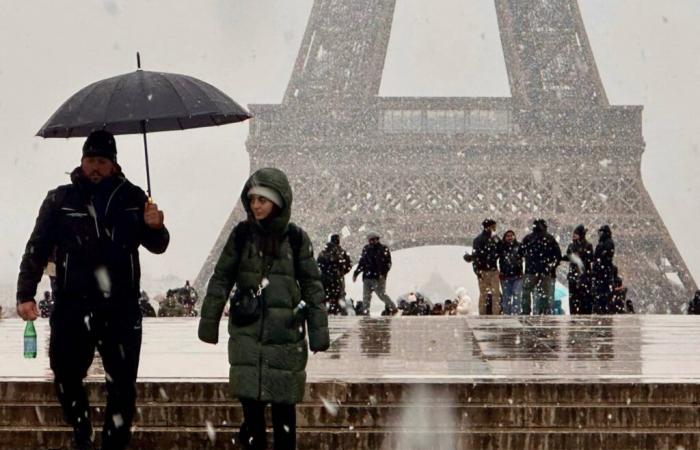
{"x":373,"y":241}
{"x":509,"y":237}
{"x":97,"y":168}
{"x":493,"y":228}
{"x":575,"y":237}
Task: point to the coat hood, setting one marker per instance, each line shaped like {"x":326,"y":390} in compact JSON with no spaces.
{"x":581,"y":231}
{"x":539,"y":226}
{"x":274,"y":179}
{"x":515,"y":239}
{"x":605,"y":232}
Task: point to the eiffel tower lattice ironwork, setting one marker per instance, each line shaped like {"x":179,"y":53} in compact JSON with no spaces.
{"x":426,"y":171}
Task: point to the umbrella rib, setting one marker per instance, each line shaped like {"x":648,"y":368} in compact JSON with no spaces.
{"x":111,"y":97}
{"x":179,"y":97}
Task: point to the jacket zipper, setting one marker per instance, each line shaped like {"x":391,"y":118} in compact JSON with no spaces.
{"x":93,"y":213}
{"x":131,"y":257}
{"x":112,"y":196}
{"x":114,"y":231}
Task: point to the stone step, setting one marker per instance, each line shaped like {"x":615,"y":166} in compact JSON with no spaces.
{"x":362,"y":416}
{"x":393,"y":393}
{"x":197,"y":438}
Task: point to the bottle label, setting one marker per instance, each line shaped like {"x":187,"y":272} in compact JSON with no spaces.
{"x":30,"y":345}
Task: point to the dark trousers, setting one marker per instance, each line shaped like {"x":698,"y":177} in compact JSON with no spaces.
{"x":74,"y":337}
{"x":580,"y":298}
{"x":284,"y":425}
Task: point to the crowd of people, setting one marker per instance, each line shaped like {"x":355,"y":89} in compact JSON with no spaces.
{"x":515,"y":277}
{"x":519,"y":277}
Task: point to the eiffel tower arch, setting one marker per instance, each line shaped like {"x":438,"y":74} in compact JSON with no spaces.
{"x":426,"y":171}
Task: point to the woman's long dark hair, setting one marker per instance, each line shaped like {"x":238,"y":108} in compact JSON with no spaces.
{"x":266,"y":241}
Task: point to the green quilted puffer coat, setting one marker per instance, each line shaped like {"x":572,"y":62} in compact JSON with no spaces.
{"x":268,"y":357}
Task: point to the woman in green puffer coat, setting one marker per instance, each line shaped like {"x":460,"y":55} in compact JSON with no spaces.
{"x":268,"y":353}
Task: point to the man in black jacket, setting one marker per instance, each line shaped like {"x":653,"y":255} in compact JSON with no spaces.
{"x":374,"y":265}
{"x":94,"y":226}
{"x":542,"y":256}
{"x":579,"y":254}
{"x":486,"y":249}
{"x":334,"y":263}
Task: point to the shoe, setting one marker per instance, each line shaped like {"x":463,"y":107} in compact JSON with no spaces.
{"x":82,"y":438}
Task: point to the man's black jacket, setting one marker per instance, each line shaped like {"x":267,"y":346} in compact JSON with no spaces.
{"x":541,"y":252}
{"x":375,"y":262}
{"x":487,"y":249}
{"x":87,"y":231}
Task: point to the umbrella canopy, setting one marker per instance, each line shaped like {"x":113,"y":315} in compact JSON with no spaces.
{"x":143,"y":101}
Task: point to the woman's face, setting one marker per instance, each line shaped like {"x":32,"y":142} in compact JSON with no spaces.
{"x":260,"y":206}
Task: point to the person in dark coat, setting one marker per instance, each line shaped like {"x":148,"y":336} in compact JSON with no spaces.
{"x":171,"y":306}
{"x":46,"y":305}
{"x":486,"y":249}
{"x":145,"y":306}
{"x":619,"y":294}
{"x":579,"y":254}
{"x":95,"y":226}
{"x":272,"y":259}
{"x":374,"y":265}
{"x":334,"y":263}
{"x":603,"y":271}
{"x":510,"y":264}
{"x":542,"y":255}
{"x":694,"y":305}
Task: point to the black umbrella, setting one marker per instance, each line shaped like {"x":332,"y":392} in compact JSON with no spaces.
{"x":142,"y":102}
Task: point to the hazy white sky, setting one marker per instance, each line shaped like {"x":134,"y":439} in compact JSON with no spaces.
{"x":646,"y":51}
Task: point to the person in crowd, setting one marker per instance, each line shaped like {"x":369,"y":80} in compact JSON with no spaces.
{"x":374,"y":265}
{"x":542,"y":255}
{"x":46,"y":305}
{"x":189,"y":310}
{"x":278,"y":300}
{"x":145,"y":305}
{"x":579,"y":255}
{"x":619,"y":294}
{"x":486,"y":249}
{"x":465,"y":305}
{"x":334,"y":263}
{"x":171,"y":307}
{"x":188,"y":295}
{"x":510,"y":264}
{"x":694,"y":305}
{"x":603,"y":271}
{"x":94,"y":226}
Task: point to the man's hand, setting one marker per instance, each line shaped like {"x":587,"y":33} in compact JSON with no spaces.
{"x":153,"y":216}
{"x":28,"y":310}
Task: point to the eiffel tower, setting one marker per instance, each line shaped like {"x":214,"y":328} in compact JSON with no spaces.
{"x":426,"y":171}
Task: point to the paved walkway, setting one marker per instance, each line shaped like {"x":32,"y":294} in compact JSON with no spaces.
{"x":598,"y":349}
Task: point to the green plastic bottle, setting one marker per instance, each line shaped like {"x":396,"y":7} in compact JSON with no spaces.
{"x":29,"y":340}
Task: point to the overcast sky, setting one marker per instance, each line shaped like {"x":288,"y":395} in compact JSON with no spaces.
{"x":647,"y":53}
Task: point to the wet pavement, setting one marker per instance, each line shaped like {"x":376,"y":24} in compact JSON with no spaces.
{"x":442,"y":349}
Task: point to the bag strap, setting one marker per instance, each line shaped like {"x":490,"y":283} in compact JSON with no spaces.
{"x":295,"y":239}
